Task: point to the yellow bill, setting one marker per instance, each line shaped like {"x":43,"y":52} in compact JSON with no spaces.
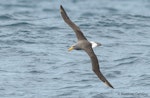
{"x":71,"y":48}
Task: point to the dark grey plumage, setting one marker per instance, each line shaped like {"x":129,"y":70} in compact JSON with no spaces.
{"x":84,"y":44}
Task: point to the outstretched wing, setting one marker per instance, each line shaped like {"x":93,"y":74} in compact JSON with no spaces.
{"x":76,"y":29}
{"x":95,"y":66}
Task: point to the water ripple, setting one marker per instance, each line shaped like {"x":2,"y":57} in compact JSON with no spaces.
{"x":34,"y":39}
{"x":19,"y":24}
{"x":6,"y":17}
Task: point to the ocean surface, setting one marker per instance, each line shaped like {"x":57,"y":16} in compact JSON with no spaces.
{"x":34,"y":42}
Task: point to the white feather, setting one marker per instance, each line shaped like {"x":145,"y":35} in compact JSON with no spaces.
{"x":94,"y":44}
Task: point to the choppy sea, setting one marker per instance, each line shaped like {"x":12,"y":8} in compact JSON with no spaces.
{"x":35,"y":63}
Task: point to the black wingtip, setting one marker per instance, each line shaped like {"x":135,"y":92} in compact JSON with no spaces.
{"x":108,"y":84}
{"x":112,"y":87}
{"x":60,"y":6}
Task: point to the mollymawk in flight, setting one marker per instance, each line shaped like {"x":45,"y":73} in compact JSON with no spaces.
{"x":84,"y":44}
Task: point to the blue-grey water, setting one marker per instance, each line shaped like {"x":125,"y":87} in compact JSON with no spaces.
{"x":35,"y":63}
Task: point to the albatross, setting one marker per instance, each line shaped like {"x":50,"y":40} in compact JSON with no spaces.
{"x":84,"y":44}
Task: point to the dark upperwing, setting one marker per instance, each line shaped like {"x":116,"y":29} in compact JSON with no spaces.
{"x":76,"y":29}
{"x":95,"y":66}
